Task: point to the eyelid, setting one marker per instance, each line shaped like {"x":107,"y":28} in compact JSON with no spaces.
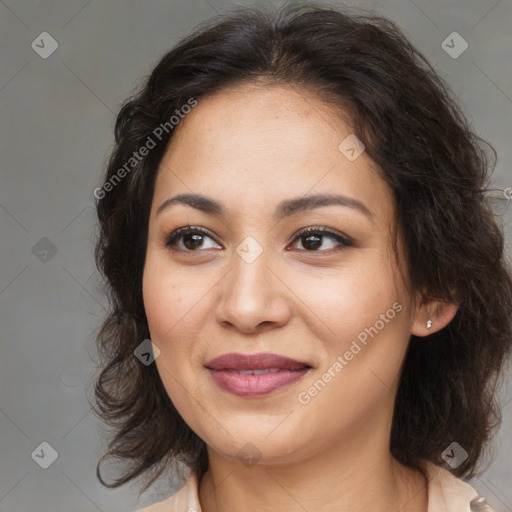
{"x":321,"y":230}
{"x":184,"y":230}
{"x":340,"y":237}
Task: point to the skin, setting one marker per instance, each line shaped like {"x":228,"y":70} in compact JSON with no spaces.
{"x":250,"y":148}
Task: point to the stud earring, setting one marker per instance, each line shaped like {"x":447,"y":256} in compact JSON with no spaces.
{"x":429,"y":323}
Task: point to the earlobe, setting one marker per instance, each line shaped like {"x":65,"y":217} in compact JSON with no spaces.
{"x":432,"y":316}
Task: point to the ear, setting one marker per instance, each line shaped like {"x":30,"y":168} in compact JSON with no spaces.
{"x":439,"y":312}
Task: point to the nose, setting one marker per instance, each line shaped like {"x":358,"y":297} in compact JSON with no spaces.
{"x":252,"y":297}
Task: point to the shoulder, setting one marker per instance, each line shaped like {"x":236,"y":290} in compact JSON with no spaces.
{"x":185,"y":500}
{"x":447,"y":493}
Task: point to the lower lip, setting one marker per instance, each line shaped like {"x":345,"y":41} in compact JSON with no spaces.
{"x":255,"y":385}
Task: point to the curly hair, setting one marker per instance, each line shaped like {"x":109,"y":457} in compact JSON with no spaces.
{"x":425,"y":149}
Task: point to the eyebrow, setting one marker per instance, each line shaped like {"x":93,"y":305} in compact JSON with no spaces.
{"x":284,"y":209}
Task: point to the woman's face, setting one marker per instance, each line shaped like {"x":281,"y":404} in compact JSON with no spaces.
{"x":266,"y":164}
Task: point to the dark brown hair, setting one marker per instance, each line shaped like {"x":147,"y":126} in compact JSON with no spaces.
{"x":427,"y":152}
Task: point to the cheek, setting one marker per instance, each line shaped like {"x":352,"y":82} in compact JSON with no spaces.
{"x":351,"y":298}
{"x":170,"y":298}
{"x":177,"y":306}
{"x":161,"y":302}
{"x":172,"y":312}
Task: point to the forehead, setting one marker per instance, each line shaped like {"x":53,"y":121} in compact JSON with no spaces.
{"x":253,"y":113}
{"x":255,"y":143}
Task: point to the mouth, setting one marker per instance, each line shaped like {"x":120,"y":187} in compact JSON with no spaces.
{"x":255,"y":374}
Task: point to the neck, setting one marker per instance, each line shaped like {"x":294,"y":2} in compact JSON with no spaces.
{"x":359,"y":474}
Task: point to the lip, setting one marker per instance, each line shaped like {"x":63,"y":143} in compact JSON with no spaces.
{"x":272,"y":372}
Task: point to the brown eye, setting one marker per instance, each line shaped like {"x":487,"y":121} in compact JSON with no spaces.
{"x":321,"y":239}
{"x":190,"y":239}
{"x":311,"y":242}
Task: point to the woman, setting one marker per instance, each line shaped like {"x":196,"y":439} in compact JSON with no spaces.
{"x":310,"y":305}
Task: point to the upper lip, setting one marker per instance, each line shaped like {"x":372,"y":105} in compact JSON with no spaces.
{"x":259,"y":361}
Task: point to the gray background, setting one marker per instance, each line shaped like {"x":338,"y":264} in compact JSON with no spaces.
{"x":56,"y":120}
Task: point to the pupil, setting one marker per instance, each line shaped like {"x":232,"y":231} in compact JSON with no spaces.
{"x":192,"y":241}
{"x":312,"y":242}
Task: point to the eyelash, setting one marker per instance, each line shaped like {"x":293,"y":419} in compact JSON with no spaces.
{"x":171,"y":239}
